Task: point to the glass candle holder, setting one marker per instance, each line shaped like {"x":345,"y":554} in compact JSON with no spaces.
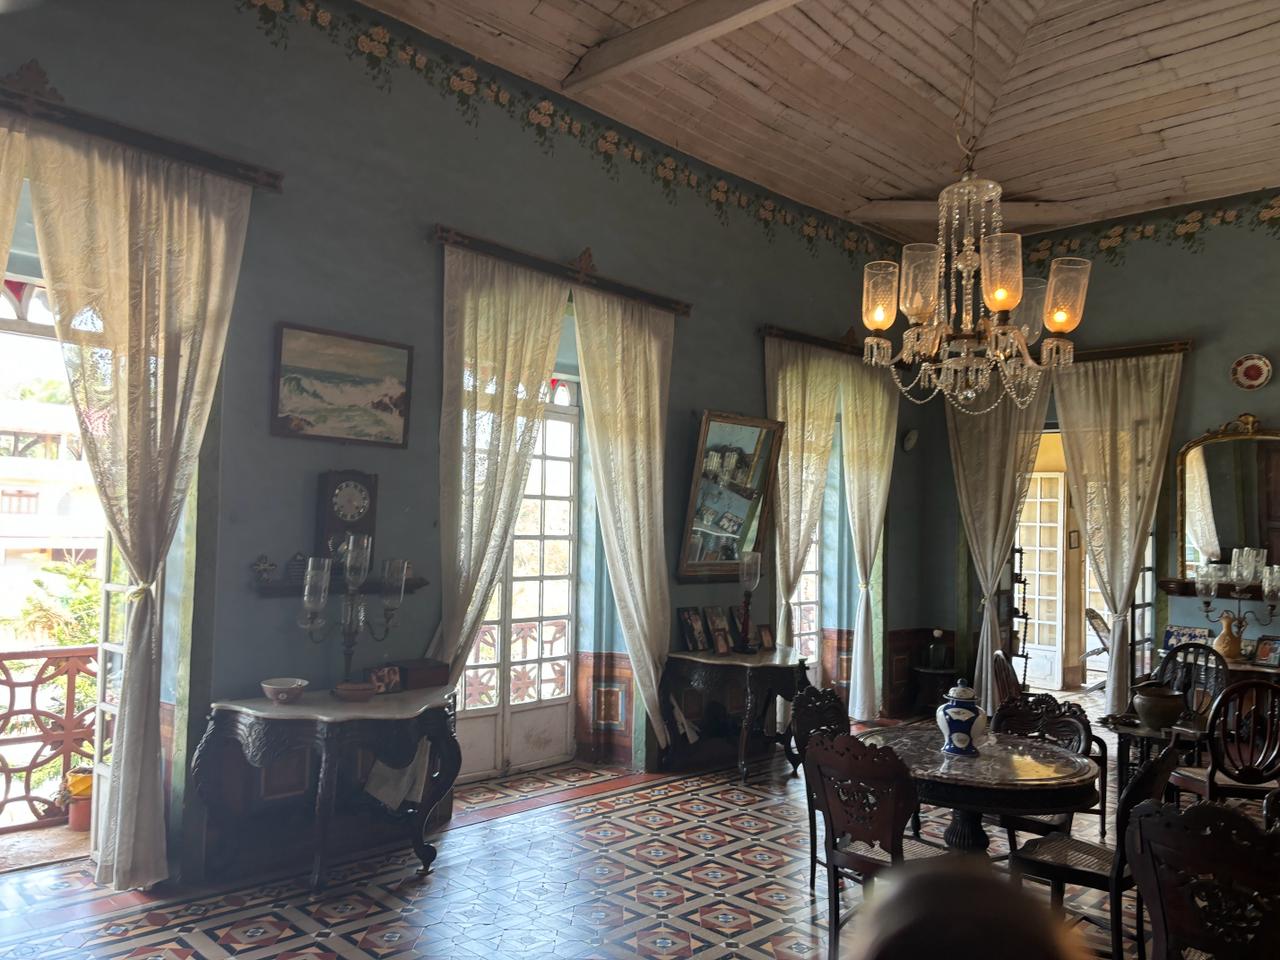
{"x":879,"y":294}
{"x":1026,"y":316}
{"x":1064,"y":298}
{"x":1271,"y":584}
{"x":1001,"y":269}
{"x":357,"y":554}
{"x":315,"y":591}
{"x":1206,"y":581}
{"x":920,"y":270}
{"x":394,"y":573}
{"x":749,"y":570}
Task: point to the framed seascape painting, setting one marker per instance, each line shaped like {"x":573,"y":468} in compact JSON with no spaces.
{"x":336,"y":386}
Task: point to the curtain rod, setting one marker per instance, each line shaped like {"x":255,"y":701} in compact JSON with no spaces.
{"x":780,"y":333}
{"x":581,"y":270}
{"x":27,"y":92}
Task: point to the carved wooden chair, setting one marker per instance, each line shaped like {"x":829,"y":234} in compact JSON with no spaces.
{"x":1198,"y":672}
{"x":1244,"y":746}
{"x":866,"y":796}
{"x":1042,"y":716}
{"x":1102,"y":630}
{"x":1007,"y":684}
{"x":1271,"y":809}
{"x":815,"y":709}
{"x":1210,"y":877}
{"x":1060,"y":859}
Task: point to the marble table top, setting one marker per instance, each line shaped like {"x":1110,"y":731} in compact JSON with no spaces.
{"x":1005,"y":762}
{"x":763,"y":658}
{"x":322,"y":706}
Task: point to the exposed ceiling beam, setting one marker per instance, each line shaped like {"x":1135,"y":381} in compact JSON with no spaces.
{"x":1025,"y":212}
{"x":691,"y":25}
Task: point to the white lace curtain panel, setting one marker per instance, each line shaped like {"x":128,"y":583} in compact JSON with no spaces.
{"x":141,"y":256}
{"x":13,"y":165}
{"x":1202,"y":528}
{"x":992,"y":456}
{"x":1116,"y":418}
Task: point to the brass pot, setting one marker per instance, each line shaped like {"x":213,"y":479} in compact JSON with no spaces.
{"x":1156,"y":705}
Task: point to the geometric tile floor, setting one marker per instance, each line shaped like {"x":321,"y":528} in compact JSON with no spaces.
{"x":525,"y":786}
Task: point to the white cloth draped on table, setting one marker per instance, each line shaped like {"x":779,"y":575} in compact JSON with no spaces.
{"x":13,"y":167}
{"x":992,"y":456}
{"x":501,"y":328}
{"x":802,"y":385}
{"x":1202,"y":529}
{"x":624,"y":354}
{"x":1116,"y":417}
{"x":141,"y":256}
{"x":868,"y":427}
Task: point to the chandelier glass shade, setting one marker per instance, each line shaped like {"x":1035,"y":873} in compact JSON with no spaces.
{"x":972,"y":317}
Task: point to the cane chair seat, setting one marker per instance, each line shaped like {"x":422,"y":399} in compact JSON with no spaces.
{"x":912,"y":849}
{"x":1065,"y":852}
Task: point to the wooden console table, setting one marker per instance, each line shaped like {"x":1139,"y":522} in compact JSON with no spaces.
{"x":763,"y":676}
{"x":389,"y":726}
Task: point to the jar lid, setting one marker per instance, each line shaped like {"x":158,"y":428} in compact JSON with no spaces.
{"x":962,"y":691}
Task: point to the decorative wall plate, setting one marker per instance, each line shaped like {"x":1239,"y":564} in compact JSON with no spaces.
{"x":1251,"y":371}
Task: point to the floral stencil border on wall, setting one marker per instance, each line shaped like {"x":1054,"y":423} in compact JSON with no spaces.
{"x":386,"y":52}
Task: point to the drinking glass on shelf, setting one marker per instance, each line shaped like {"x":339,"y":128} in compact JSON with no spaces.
{"x":1271,"y":584}
{"x":315,"y":592}
{"x":357,"y":555}
{"x":394,"y":573}
{"x":1241,"y":568}
{"x":1207,"y":581}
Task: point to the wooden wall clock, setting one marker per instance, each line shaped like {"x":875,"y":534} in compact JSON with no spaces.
{"x":347,"y":503}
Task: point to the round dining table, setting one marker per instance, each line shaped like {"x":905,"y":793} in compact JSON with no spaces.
{"x":1011,"y":775}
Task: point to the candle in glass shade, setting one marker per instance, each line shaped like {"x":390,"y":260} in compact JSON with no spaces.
{"x":749,"y":569}
{"x":1064,"y":297}
{"x":394,"y":573}
{"x":357,"y":555}
{"x":879,"y":294}
{"x":315,"y":590}
{"x":919,"y":281}
{"x":1001,"y":268}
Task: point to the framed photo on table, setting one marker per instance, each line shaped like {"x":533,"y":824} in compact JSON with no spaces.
{"x":718,"y":625}
{"x":692,"y":629}
{"x":1268,"y":652}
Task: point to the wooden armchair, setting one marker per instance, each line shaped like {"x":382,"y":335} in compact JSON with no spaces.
{"x":1008,"y":687}
{"x":814,"y":710}
{"x":1244,"y":746}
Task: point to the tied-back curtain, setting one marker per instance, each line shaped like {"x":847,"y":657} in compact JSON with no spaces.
{"x":141,"y":256}
{"x":13,"y":170}
{"x":1116,"y":418}
{"x":868,"y":426}
{"x":624,"y":352}
{"x":992,"y":455}
{"x":501,"y":328}
{"x":1202,"y":528}
{"x":802,"y":384}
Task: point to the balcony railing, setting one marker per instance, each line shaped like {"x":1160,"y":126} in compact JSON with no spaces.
{"x":47,"y":699}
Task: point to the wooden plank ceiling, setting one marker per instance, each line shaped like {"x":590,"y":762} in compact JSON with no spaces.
{"x":1086,"y":108}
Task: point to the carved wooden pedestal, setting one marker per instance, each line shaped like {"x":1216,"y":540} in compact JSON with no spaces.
{"x":390,"y":727}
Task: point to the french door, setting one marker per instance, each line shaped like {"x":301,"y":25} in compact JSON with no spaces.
{"x":516,"y":694}
{"x":1040,"y":535}
{"x":115,"y":613}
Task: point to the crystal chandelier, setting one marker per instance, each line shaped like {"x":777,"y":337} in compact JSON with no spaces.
{"x":972,"y":317}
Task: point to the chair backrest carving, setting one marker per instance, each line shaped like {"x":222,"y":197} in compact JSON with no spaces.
{"x":1210,"y":878}
{"x":1197,"y":671}
{"x":1043,"y":717}
{"x":814,"y":709}
{"x":1006,"y":678}
{"x":1147,"y":784}
{"x":1244,"y":732}
{"x":864,"y":792}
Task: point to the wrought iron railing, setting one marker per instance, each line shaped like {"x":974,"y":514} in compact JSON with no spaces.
{"x":47,"y":699}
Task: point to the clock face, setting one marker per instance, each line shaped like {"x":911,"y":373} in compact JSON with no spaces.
{"x":350,"y":501}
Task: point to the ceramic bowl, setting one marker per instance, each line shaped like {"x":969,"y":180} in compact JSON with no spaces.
{"x":1156,"y":705}
{"x":283,"y":689}
{"x":355,"y":692}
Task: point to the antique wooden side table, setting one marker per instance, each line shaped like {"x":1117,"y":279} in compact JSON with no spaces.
{"x":390,"y":727}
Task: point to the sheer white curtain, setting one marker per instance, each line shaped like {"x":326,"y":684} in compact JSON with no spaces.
{"x":868,"y":426}
{"x":992,"y":455}
{"x":802,"y":384}
{"x":1202,"y":529}
{"x":624,"y":353}
{"x":1116,"y":417}
{"x":141,"y":257}
{"x":13,"y":169}
{"x":501,"y":328}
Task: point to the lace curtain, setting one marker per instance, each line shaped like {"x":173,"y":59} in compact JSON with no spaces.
{"x":1202,"y":529}
{"x":868,"y":428}
{"x":992,"y":456}
{"x":13,"y":166}
{"x":141,"y":257}
{"x":501,"y":329}
{"x":1116,"y":417}
{"x":802,"y":384}
{"x":624,"y":352}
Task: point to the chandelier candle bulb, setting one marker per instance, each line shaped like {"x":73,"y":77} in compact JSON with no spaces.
{"x":879,"y":294}
{"x":1001,"y":269}
{"x":920,"y":269}
{"x":1064,"y":297}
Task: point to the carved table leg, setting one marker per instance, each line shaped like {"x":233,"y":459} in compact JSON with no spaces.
{"x":446,"y":755}
{"x":966,"y":833}
{"x":748,"y":720}
{"x":326,"y":787}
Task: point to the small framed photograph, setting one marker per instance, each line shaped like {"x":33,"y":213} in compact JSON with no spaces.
{"x":739,"y":636}
{"x":1268,"y":652}
{"x":1073,"y":540}
{"x":385,"y":679}
{"x":767,"y":641}
{"x":718,"y":625}
{"x":692,"y":629}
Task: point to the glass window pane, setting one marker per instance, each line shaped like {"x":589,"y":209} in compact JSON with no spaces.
{"x":555,"y":598}
{"x":493,"y":611}
{"x":117,"y":616}
{"x":1049,"y":488}
{"x":524,"y":683}
{"x":555,"y":679}
{"x":38,"y":309}
{"x":480,"y":688}
{"x":112,"y":675}
{"x":8,"y":309}
{"x":556,"y":556}
{"x":555,"y":638}
{"x":533,"y":485}
{"x":524,"y":641}
{"x":559,"y":478}
{"x":1049,"y":511}
{"x":559,"y":518}
{"x":559,"y":434}
{"x":526,"y":561}
{"x":529,"y":521}
{"x":485,"y":649}
{"x":524,"y":599}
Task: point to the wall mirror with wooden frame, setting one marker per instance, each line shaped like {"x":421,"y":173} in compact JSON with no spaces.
{"x":1228,"y":493}
{"x":729,"y":499}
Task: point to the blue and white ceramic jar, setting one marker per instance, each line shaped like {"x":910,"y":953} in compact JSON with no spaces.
{"x":961,"y":721}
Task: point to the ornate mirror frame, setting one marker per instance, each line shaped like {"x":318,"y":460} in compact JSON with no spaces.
{"x":1244,"y":427}
{"x":689,"y":571}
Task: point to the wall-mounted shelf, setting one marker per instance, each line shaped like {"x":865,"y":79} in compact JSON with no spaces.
{"x":1179,"y":587}
{"x":279,"y":588}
